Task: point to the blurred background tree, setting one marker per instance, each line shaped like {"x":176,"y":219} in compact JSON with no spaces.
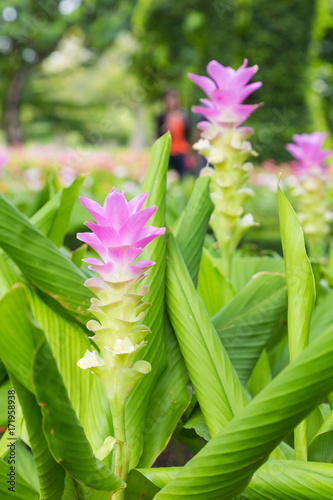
{"x":94,"y":71}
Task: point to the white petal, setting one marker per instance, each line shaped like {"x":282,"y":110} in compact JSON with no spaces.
{"x":90,"y":360}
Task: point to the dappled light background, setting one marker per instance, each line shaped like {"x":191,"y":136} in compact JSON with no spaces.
{"x":82,"y":85}
{"x":90,"y":73}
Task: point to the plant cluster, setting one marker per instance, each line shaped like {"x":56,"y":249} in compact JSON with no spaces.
{"x":155,"y":339}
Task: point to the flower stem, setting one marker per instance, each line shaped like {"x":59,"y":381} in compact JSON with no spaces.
{"x":227,"y":256}
{"x":121,"y":453}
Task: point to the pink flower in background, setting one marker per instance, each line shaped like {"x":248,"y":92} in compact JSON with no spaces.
{"x":119,"y":236}
{"x":4,"y":157}
{"x":226,"y":90}
{"x":307,"y":151}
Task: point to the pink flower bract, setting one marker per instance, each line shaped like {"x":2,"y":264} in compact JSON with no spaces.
{"x":226,"y":90}
{"x":4,"y":157}
{"x":119,"y":235}
{"x":307,"y":151}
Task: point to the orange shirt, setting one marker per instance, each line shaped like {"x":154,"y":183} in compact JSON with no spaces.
{"x":179,"y":145}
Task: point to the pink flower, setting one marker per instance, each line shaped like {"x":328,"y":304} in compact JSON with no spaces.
{"x":307,"y":150}
{"x":119,"y":236}
{"x":4,"y":157}
{"x":226,"y":90}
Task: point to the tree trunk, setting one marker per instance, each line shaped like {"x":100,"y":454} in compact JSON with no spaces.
{"x":13,"y":124}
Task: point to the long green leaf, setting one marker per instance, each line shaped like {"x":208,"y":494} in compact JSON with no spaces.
{"x":62,"y":217}
{"x":18,"y":340}
{"x":170,"y":398}
{"x":3,"y":403}
{"x":291,"y":480}
{"x":322,"y":316}
{"x":155,"y":184}
{"x":22,"y":488}
{"x":171,"y":395}
{"x":216,"y":384}
{"x":145,"y":483}
{"x":261,"y":375}
{"x":63,"y":432}
{"x":214,"y":289}
{"x":26,"y":465}
{"x":321,"y":446}
{"x":244,"y":268}
{"x":53,"y":218}
{"x":197,"y":422}
{"x":69,"y":342}
{"x":37,"y":372}
{"x":42,"y":262}
{"x":51,"y":475}
{"x":301,"y":294}
{"x":193,"y":227}
{"x":250,"y":319}
{"x":224,"y":467}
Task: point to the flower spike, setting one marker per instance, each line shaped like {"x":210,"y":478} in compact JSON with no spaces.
{"x":118,"y":235}
{"x":225,"y":145}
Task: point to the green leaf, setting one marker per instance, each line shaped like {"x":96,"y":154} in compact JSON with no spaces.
{"x":145,"y":483}
{"x":51,"y":475}
{"x":214,"y":289}
{"x":224,"y":467}
{"x":322,"y":316}
{"x":321,"y":446}
{"x":216,"y":384}
{"x":197,"y":422}
{"x":4,"y":403}
{"x":79,"y":254}
{"x":301,"y":294}
{"x":63,"y":432}
{"x":193,"y":227}
{"x":44,"y":217}
{"x":300,"y":280}
{"x":250,"y":319}
{"x":69,"y":342}
{"x":19,"y":337}
{"x":8,"y":275}
{"x":42,"y":262}
{"x":244,"y":268}
{"x":136,"y":408}
{"x":170,"y":398}
{"x":25,"y":465}
{"x":3,"y":373}
{"x":36,"y":373}
{"x":53,"y":218}
{"x":261,"y":375}
{"x":291,"y":480}
{"x":62,"y":216}
{"x":22,"y":489}
{"x":69,"y":491}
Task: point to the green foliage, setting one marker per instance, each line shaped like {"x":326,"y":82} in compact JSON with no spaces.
{"x":212,"y":349}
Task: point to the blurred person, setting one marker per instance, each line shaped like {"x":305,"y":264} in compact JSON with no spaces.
{"x":176,"y":121}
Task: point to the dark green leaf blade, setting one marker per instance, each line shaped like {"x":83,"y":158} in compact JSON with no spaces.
{"x":63,"y":431}
{"x":216,"y":384}
{"x":250,"y":319}
{"x":136,"y":408}
{"x":224,"y":467}
{"x":42,"y":262}
{"x":22,"y":489}
{"x":292,"y":480}
{"x":301,"y":294}
{"x":169,"y":399}
{"x":192,"y":230}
